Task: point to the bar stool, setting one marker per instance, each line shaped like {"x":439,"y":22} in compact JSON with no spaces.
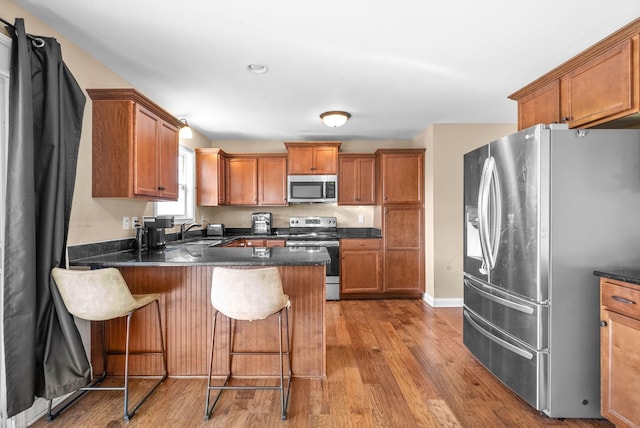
{"x":101,"y":295}
{"x":246,"y":295}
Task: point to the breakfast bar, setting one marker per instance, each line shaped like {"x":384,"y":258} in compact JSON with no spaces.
{"x":181,"y":273}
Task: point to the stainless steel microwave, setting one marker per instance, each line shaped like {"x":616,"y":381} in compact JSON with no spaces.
{"x":312,"y":188}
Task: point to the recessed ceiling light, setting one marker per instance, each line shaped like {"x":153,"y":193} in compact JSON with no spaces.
{"x":257,"y":68}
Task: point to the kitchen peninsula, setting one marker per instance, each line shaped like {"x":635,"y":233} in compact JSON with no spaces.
{"x":181,"y":273}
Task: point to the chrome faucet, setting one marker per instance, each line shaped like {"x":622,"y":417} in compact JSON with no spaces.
{"x":184,"y":230}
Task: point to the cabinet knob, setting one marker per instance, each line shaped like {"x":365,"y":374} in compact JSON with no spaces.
{"x":603,"y":323}
{"x":566,"y":119}
{"x":161,"y":188}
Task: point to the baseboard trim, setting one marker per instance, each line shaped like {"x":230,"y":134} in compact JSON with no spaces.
{"x":442,"y":303}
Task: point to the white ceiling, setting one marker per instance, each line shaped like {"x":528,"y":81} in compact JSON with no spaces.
{"x":397,"y":66}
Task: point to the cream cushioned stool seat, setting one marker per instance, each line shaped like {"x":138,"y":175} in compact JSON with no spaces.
{"x":247,"y":295}
{"x":101,"y":295}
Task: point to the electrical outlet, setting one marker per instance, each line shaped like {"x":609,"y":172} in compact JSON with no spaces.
{"x":125,"y":223}
{"x":361,"y":218}
{"x":134,"y":220}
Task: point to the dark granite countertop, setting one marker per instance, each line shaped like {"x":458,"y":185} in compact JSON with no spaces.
{"x":631,"y":275}
{"x":192,"y":253}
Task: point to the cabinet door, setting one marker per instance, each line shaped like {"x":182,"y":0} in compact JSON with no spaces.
{"x":603,"y":88}
{"x":542,"y":106}
{"x":360,"y":266}
{"x":403,"y":231}
{"x":402,"y":177}
{"x":300,"y":160}
{"x":210,"y":177}
{"x":367,"y":181}
{"x":348,"y":185}
{"x":272,"y":181}
{"x":168,"y":162}
{"x":242,"y":181}
{"x":325,"y":160}
{"x":145,"y":164}
{"x":620,"y":369}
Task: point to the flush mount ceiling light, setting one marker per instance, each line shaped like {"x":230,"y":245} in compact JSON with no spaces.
{"x":185,"y":130}
{"x":257,"y":68}
{"x":335,"y":118}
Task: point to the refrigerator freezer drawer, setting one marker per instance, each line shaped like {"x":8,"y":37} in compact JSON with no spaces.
{"x":525,"y":320}
{"x":521,"y":368}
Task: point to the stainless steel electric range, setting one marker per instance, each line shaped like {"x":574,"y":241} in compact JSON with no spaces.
{"x":313,"y":233}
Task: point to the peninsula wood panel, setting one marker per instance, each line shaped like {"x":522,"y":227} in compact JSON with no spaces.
{"x":187,"y":317}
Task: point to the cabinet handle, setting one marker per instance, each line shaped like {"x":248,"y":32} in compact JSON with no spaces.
{"x":623,"y":300}
{"x":160,"y":187}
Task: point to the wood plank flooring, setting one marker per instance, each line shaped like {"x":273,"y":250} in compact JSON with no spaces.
{"x":390,"y":363}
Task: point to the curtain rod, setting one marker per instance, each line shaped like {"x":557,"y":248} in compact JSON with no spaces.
{"x":37,"y":41}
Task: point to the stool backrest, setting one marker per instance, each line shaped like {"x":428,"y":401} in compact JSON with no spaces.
{"x":247,"y":294}
{"x":95,"y":295}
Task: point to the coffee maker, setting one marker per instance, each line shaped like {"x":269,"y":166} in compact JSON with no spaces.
{"x":261,"y":224}
{"x":154,"y":230}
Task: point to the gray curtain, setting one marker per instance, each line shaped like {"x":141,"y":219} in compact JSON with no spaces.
{"x":43,"y":350}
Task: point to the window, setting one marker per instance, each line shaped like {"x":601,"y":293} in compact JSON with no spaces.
{"x":184,"y":208}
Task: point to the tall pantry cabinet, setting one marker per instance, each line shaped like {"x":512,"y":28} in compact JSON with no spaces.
{"x":400,"y":215}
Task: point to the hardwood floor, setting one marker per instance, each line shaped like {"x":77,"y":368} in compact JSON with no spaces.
{"x":391,"y":363}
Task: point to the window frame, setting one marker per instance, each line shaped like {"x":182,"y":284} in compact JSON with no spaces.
{"x":186,"y":187}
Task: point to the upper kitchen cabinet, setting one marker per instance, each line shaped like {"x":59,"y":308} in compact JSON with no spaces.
{"x":135,"y":146}
{"x":598,"y":87}
{"x":542,"y":106}
{"x":316,"y":158}
{"x":210,"y":177}
{"x":400,"y":176}
{"x":272,"y":180}
{"x":357,"y":179}
{"x":256,"y":179}
{"x":604,"y":88}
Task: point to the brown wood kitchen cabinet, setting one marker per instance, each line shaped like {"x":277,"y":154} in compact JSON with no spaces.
{"x":135,"y":146}
{"x":312,"y":158}
{"x":242,"y":180}
{"x":400,"y":215}
{"x":619,"y":356}
{"x":357,"y":179}
{"x":360,"y":267}
{"x":256,"y":179}
{"x":210,"y":177}
{"x":542,"y":106}
{"x":598,"y":86}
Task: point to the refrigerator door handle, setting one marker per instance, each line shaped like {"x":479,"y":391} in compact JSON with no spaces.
{"x":523,"y":353}
{"x":496,"y":213}
{"x":504,"y":302}
{"x":483,"y":215}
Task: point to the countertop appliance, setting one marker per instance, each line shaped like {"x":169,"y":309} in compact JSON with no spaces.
{"x":216,"y":229}
{"x":543,"y":208}
{"x":311,"y":233}
{"x":312,"y":188}
{"x":261,"y":223}
{"x":154,"y":230}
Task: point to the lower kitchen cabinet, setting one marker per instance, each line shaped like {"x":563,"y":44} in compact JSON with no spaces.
{"x":360,"y":267}
{"x":619,"y":356}
{"x":403,"y":244}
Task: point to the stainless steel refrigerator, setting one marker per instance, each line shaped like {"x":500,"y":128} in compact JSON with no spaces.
{"x":543,"y":208}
